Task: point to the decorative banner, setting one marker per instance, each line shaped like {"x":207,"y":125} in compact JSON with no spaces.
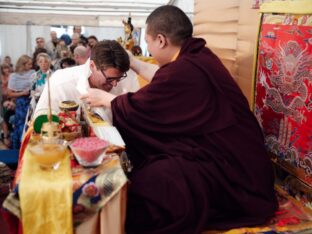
{"x":283,"y":90}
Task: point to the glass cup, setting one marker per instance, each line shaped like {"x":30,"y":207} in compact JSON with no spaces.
{"x":49,"y":154}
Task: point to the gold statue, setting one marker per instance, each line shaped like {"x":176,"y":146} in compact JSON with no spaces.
{"x":128,"y":41}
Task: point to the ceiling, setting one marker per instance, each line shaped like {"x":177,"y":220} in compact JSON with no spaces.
{"x":75,"y":12}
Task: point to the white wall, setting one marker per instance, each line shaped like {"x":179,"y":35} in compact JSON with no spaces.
{"x":16,"y":40}
{"x":110,"y":33}
{"x":187,"y":6}
{"x":12,"y":41}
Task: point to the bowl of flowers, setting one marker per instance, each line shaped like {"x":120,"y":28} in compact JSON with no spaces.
{"x":89,"y":151}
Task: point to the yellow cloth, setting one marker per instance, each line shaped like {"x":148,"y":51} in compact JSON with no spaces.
{"x":287,"y":7}
{"x":151,"y":60}
{"x":175,"y":56}
{"x":46,"y":197}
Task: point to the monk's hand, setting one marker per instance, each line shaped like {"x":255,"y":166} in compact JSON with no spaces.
{"x":97,"y":98}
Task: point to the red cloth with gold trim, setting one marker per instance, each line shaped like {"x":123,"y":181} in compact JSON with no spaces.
{"x":283,"y":103}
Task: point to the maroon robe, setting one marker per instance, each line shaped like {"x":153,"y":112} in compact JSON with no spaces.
{"x":198,"y":151}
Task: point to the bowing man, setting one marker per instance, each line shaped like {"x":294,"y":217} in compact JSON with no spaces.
{"x":107,"y":69}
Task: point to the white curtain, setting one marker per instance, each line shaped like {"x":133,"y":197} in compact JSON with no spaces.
{"x":230,"y":29}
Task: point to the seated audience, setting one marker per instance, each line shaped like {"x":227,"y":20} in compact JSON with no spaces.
{"x":198,"y":154}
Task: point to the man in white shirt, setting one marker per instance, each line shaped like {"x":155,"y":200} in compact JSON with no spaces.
{"x":107,"y":66}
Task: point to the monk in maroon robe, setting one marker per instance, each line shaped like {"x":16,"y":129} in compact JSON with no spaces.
{"x":198,"y":154}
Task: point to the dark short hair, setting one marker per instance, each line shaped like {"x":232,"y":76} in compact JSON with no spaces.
{"x":92,"y":37}
{"x":69,"y":61}
{"x":171,"y":22}
{"x":110,"y":54}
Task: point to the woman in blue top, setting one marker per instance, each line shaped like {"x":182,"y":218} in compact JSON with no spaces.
{"x":19,"y":87}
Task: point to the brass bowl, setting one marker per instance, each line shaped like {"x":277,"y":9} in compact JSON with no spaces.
{"x":68,"y":106}
{"x":70,"y":136}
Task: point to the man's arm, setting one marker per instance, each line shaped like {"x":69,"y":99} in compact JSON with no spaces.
{"x":13,"y":94}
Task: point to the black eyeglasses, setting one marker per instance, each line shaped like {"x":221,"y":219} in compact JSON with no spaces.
{"x":116,"y":78}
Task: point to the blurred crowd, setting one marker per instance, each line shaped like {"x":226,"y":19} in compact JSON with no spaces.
{"x":25,"y":80}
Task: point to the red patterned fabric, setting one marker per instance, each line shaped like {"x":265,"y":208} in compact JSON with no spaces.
{"x":283,"y":103}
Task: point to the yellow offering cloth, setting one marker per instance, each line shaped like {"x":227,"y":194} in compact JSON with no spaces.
{"x":46,"y":197}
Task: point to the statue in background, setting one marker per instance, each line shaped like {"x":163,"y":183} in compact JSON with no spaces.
{"x":128,"y":41}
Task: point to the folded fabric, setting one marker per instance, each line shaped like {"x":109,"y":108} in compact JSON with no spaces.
{"x":46,"y":197}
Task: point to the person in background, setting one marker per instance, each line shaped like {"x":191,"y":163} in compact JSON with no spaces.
{"x":40,"y":46}
{"x":67,"y":62}
{"x":5,"y":75}
{"x":136,"y":50}
{"x":8,"y":60}
{"x":62,"y":53}
{"x":107,"y":67}
{"x":40,"y":42}
{"x":82,"y":38}
{"x":92,"y":40}
{"x":191,"y":171}
{"x":52,"y":45}
{"x":39,"y":78}
{"x":81,"y":55}
{"x":75,"y":41}
{"x":34,"y":58}
{"x":19,"y":87}
{"x":2,"y":127}
{"x":66,"y":39}
{"x":8,"y":121}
